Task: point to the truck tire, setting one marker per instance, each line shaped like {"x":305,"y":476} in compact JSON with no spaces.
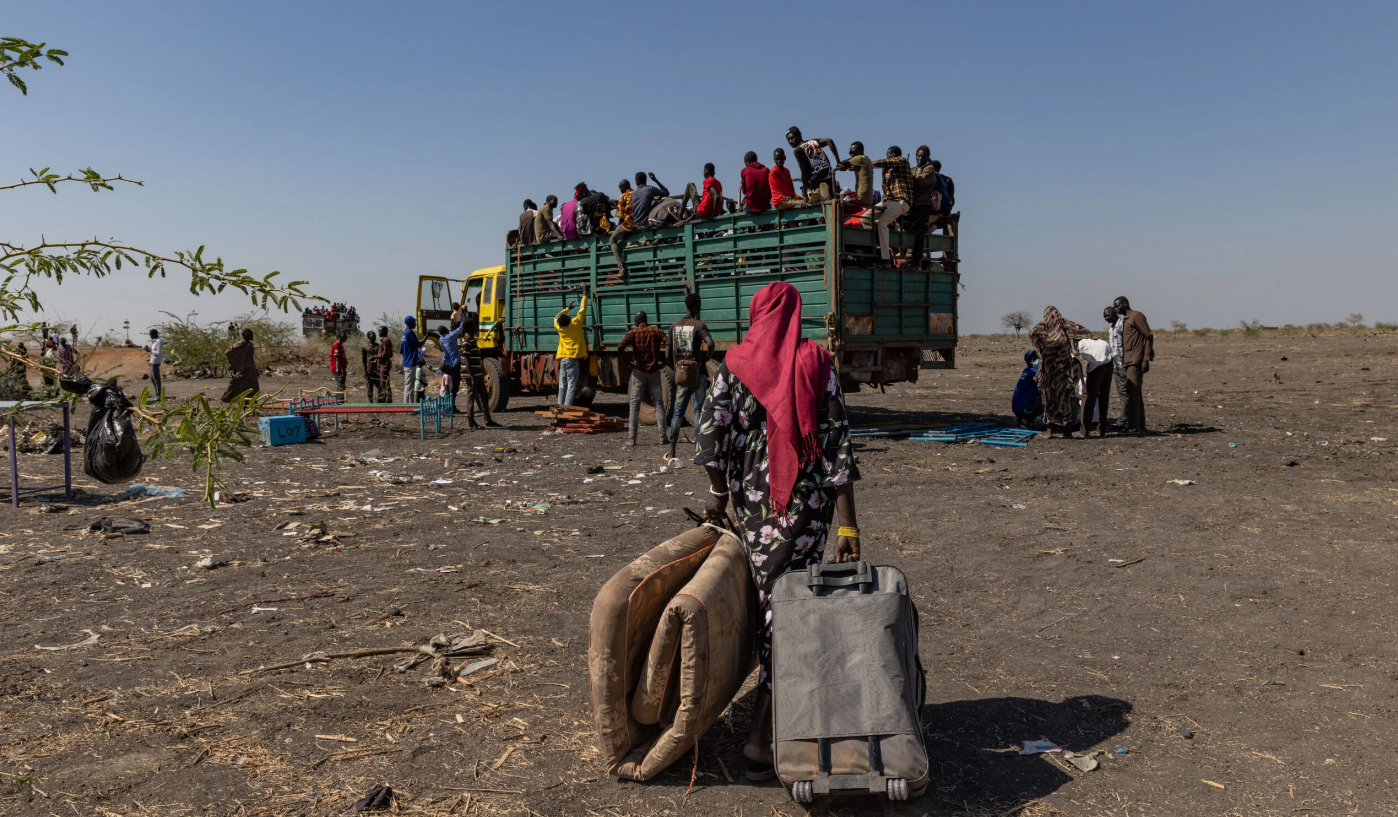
{"x":648,"y":413}
{"x":497,"y":384}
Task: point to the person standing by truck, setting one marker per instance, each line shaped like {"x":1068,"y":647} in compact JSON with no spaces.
{"x":451,"y":360}
{"x":817,"y":174}
{"x":643,"y":349}
{"x":339,"y":362}
{"x":572,"y":351}
{"x":383,"y":363}
{"x":367,"y":355}
{"x":689,"y":347}
{"x":410,"y":348}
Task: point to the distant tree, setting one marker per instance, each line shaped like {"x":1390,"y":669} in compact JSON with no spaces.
{"x":1178,"y":326}
{"x":1355,"y":320}
{"x":209,"y":433}
{"x":1018,"y":321}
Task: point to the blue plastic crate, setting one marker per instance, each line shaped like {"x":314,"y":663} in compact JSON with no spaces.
{"x":282,"y":430}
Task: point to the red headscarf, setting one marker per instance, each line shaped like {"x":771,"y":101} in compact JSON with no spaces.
{"x":787,"y":374}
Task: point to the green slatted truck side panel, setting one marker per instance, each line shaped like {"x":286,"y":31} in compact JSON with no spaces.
{"x":847,"y":304}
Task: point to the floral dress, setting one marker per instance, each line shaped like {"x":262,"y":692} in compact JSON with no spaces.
{"x":732,"y":435}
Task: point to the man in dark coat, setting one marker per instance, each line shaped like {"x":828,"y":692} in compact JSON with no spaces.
{"x":242,"y":369}
{"x":1137,"y":351}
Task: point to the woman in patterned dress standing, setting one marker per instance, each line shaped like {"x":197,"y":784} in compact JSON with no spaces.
{"x":1055,"y":339}
{"x":775,"y":440}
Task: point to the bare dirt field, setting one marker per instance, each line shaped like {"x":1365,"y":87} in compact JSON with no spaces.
{"x":1068,"y":590}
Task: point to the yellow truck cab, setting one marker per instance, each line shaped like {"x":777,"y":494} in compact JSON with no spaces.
{"x":481,"y":293}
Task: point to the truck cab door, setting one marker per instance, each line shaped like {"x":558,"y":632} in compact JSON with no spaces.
{"x":492,"y":308}
{"x":433,"y":306}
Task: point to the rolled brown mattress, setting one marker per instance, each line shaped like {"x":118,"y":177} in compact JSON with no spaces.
{"x":624,"y":620}
{"x":703,"y":650}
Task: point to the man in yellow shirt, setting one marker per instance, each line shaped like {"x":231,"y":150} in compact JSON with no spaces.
{"x":572,"y":349}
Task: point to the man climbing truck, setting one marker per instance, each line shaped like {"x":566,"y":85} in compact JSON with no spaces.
{"x":881,"y":325}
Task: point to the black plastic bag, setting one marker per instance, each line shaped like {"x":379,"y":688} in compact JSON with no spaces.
{"x":112,"y":452}
{"x":109,"y":525}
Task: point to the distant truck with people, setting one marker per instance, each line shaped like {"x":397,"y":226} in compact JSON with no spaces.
{"x":883,"y":320}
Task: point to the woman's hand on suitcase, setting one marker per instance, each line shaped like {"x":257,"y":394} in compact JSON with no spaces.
{"x":846,"y":549}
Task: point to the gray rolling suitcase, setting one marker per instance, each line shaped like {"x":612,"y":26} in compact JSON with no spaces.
{"x":847,"y":683}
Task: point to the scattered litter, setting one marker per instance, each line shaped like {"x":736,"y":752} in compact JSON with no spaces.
{"x":49,"y":508}
{"x":1035,"y":747}
{"x":141,"y":490}
{"x":1180,"y":482}
{"x":1121,"y":750}
{"x":379,"y":798}
{"x":208,"y":563}
{"x":1220,"y":785}
{"x":1085,"y":763}
{"x":1017,"y":506}
{"x":1378,"y":439}
{"x":87,"y":642}
{"x":256,"y":610}
{"x":477,"y":667}
{"x":1292,"y":462}
{"x":596,"y":556}
{"x":1186,"y":732}
{"x":441,"y":482}
{"x":1232,"y":445}
{"x":121,"y":526}
{"x":633,"y":482}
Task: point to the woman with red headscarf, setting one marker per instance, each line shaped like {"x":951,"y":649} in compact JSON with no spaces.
{"x":774,"y":438}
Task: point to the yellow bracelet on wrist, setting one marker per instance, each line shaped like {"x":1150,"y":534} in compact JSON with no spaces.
{"x":848,"y":532}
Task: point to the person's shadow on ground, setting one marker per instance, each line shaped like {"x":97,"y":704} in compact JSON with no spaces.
{"x":967,"y":743}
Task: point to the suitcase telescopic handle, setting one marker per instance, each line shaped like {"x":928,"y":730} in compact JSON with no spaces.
{"x":846,"y":574}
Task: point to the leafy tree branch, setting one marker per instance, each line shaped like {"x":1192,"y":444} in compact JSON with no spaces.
{"x":16,"y":54}
{"x":88,"y":176}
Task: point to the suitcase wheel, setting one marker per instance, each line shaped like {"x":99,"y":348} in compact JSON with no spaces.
{"x":802,"y":792}
{"x":898,"y":789}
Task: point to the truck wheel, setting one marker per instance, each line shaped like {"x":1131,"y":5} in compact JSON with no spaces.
{"x":650,"y":414}
{"x":497,"y":384}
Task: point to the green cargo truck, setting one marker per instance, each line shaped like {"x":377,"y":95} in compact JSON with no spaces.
{"x":881,"y":325}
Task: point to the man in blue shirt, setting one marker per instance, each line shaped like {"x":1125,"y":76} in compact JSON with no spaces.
{"x":1026,"y":403}
{"x":451,"y":359}
{"x":645,"y":197}
{"x":410,"y":348}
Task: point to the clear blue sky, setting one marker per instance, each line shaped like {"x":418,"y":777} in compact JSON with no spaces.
{"x":1215,"y":162}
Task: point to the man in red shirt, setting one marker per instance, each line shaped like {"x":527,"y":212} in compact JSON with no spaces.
{"x":779,"y":180}
{"x":339,"y":362}
{"x":753,"y":187}
{"x":711,"y":204}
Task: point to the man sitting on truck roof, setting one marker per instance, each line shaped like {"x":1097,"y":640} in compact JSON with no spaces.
{"x":626,"y":224}
{"x":897,"y":196}
{"x":817,"y":174}
{"x":645,"y":196}
{"x":753,"y":186}
{"x":545,"y":230}
{"x":711,"y":204}
{"x":863,"y":168}
{"x":526,"y":223}
{"x":779,"y":178}
{"x":594,"y":204}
